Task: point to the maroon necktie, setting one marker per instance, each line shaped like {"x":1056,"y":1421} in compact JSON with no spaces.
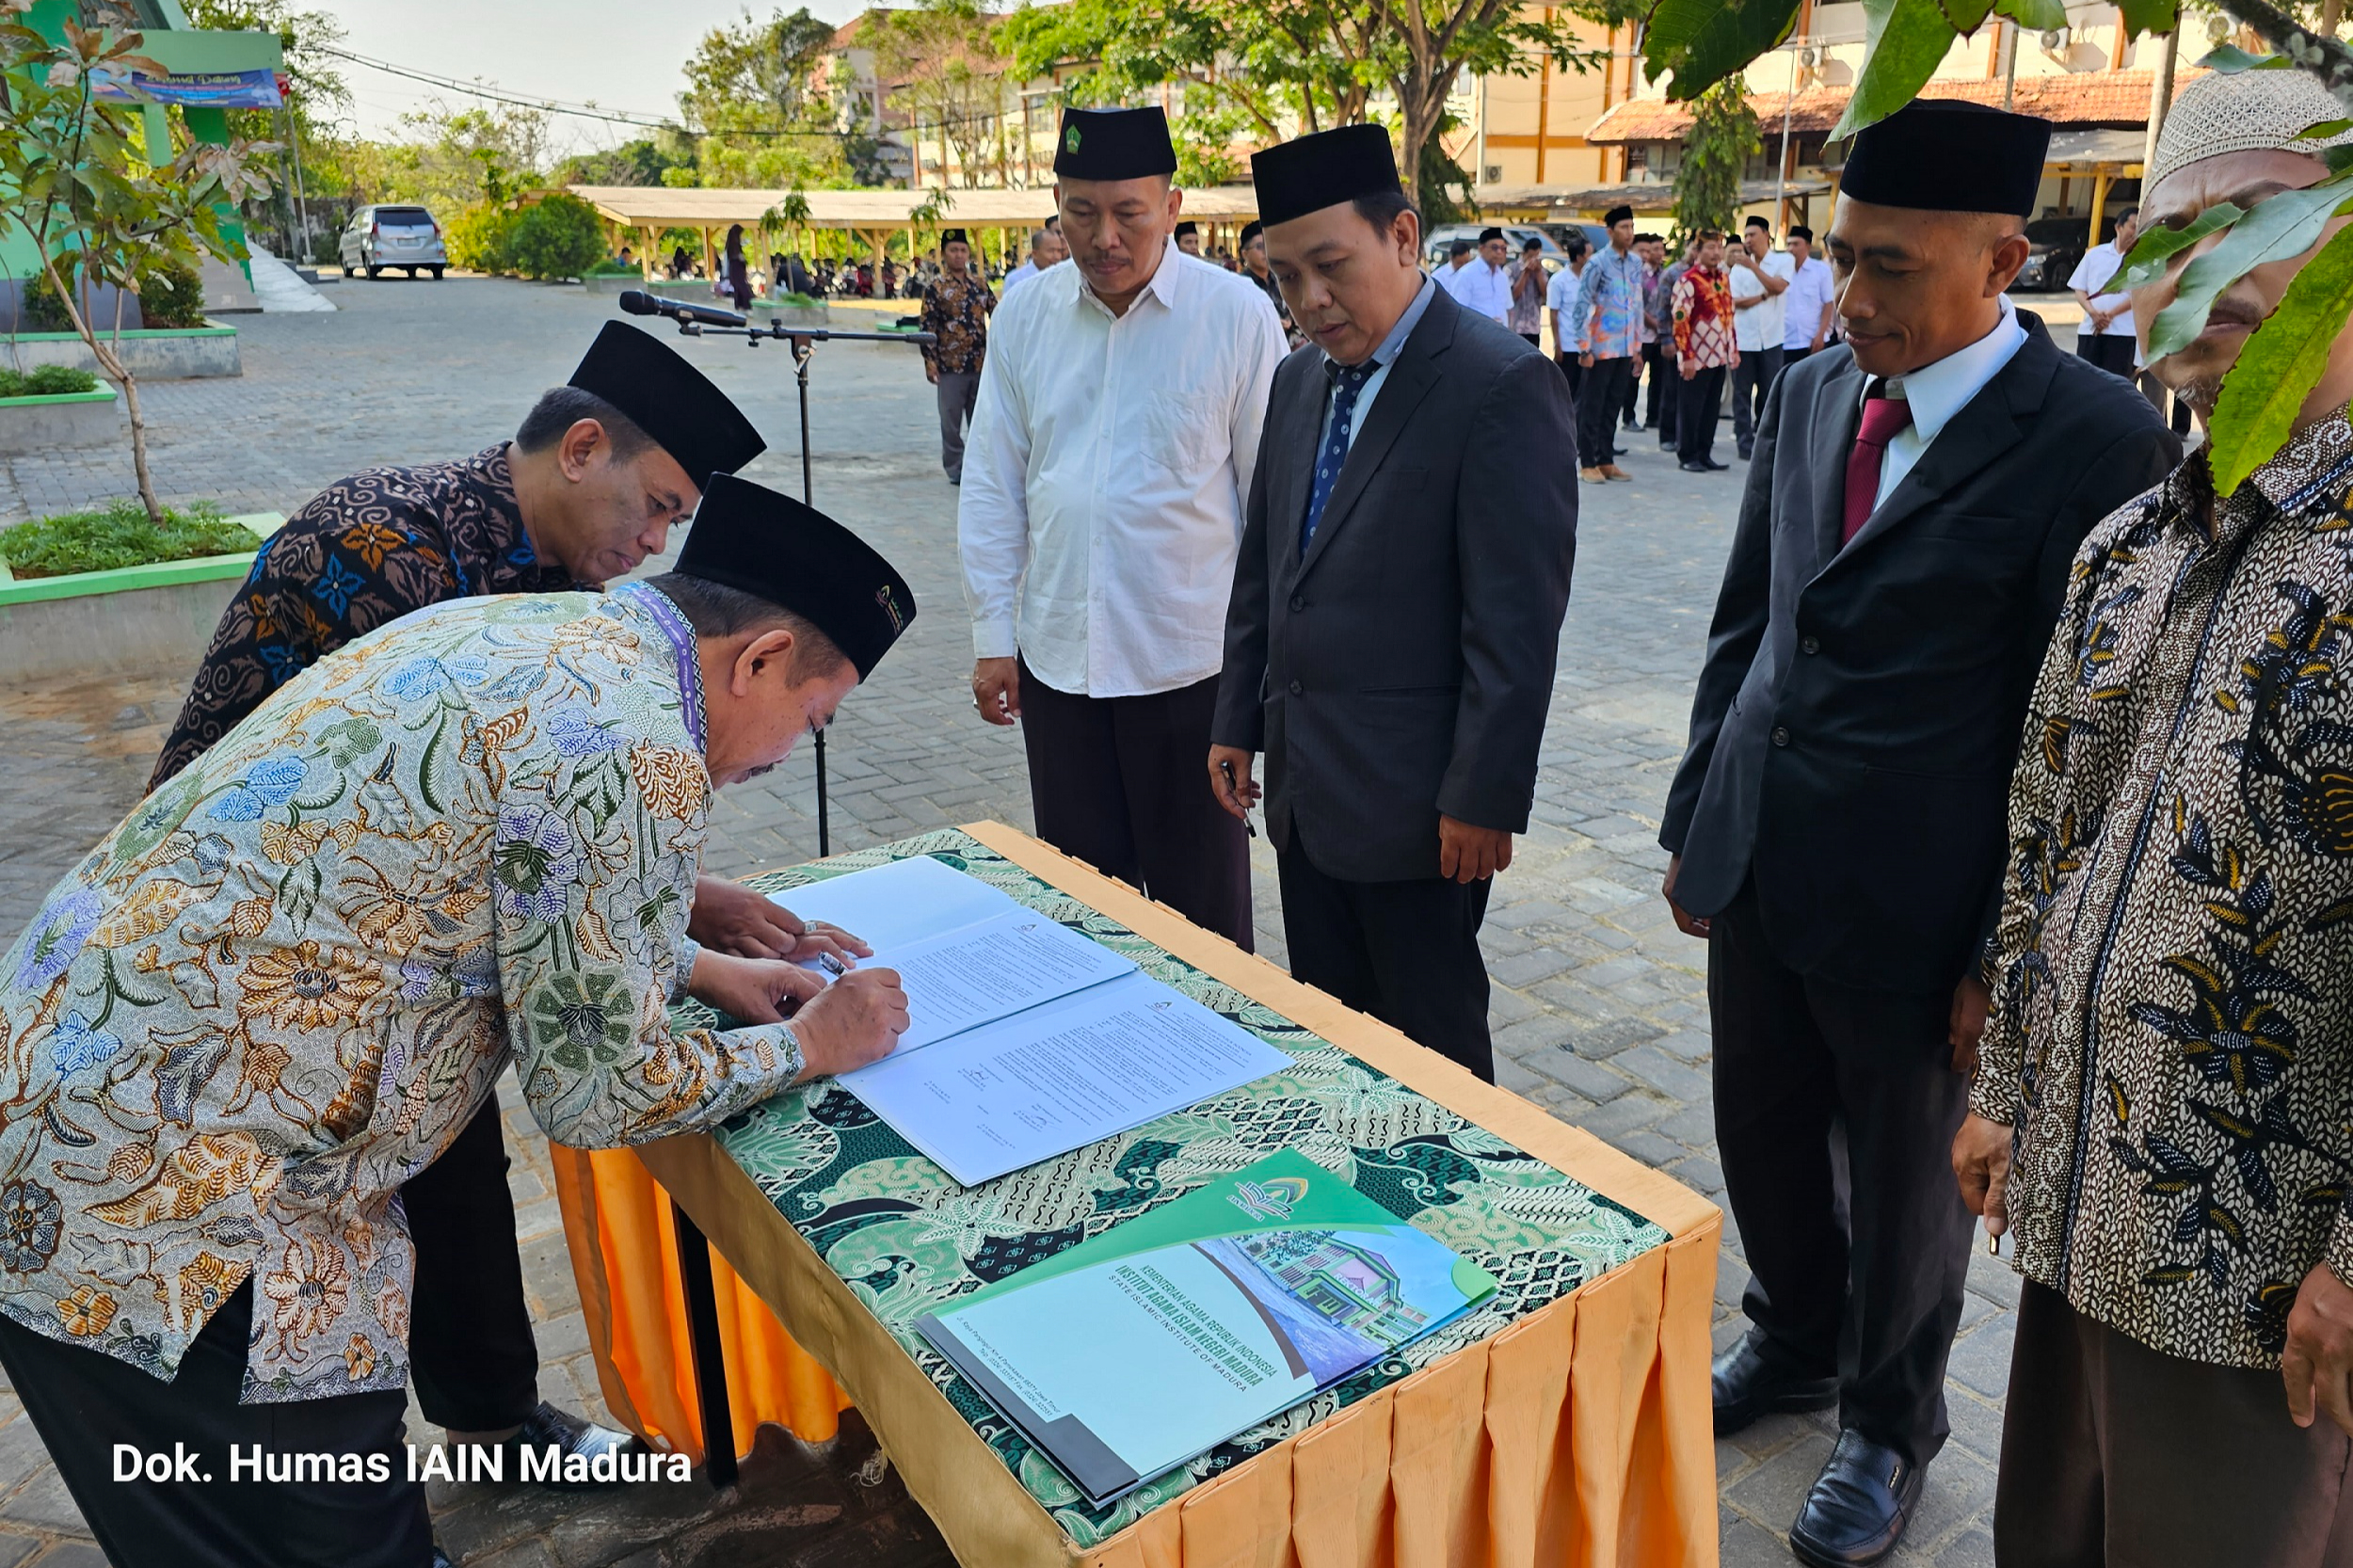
{"x":1883,"y":417}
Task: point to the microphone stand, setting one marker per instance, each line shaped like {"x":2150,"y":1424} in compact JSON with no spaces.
{"x":696,"y":1284}
{"x":706,"y":321}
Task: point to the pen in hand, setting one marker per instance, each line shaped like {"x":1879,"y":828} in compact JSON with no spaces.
{"x":832,"y":966}
{"x":1235,"y":789}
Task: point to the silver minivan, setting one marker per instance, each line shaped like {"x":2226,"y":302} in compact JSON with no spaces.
{"x":406,"y":237}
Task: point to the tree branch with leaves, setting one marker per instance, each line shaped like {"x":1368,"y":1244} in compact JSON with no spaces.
{"x":77,"y":177}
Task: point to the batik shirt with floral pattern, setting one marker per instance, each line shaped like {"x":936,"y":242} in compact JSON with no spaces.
{"x":286,"y":983}
{"x":362,"y":552}
{"x":956,"y":310}
{"x":2173,"y":1036}
{"x":1701,"y":307}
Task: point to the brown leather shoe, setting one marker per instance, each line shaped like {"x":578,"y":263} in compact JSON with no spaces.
{"x":1592,"y":475}
{"x":1611,"y":471}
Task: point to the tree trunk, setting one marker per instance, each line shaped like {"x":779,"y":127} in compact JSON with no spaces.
{"x":110,"y":365}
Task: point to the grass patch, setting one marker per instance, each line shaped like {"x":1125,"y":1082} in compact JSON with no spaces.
{"x":121,"y":535}
{"x":46,"y":381}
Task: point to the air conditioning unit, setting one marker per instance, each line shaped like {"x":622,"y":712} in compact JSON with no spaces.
{"x":1494,"y":175}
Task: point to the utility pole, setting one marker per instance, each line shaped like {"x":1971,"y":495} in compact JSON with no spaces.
{"x":2160,"y":99}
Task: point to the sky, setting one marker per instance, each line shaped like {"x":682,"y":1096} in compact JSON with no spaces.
{"x":620,"y":53}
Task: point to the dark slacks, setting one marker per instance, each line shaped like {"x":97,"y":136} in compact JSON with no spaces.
{"x":1598,"y":410}
{"x":1666,"y":390}
{"x":2110,"y":351}
{"x":1407,"y":952}
{"x":471,"y":1356}
{"x":1835,"y":1111}
{"x":1575,"y":375}
{"x":1123,"y":783}
{"x":1752,"y":378}
{"x":2115,"y":1453}
{"x":84,"y":1402}
{"x":1697,"y":404}
{"x":959,"y":390}
{"x":1648,"y":361}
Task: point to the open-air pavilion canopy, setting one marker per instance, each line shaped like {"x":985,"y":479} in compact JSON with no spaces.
{"x":874,"y":216}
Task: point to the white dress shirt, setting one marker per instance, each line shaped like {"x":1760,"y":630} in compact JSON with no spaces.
{"x":1759,"y":327}
{"x":1937,"y":392}
{"x":1106,"y":472}
{"x":1482,"y":289}
{"x":2092,"y":274}
{"x":1021,"y":274}
{"x":1811,"y":288}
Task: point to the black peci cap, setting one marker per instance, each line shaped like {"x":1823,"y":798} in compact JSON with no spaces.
{"x":1114,"y":144}
{"x":1486,"y":234}
{"x":1307,"y":175}
{"x":670,"y":400}
{"x":773,"y":546}
{"x":1187,"y":226}
{"x":1252,"y":230}
{"x":952,"y":236}
{"x":1617,"y":215}
{"x":1948,"y":156}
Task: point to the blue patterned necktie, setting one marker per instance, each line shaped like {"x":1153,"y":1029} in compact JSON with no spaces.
{"x":1348,"y":381}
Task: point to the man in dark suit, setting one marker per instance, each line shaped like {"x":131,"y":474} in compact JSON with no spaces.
{"x":1837,"y":825}
{"x":1398,"y":602}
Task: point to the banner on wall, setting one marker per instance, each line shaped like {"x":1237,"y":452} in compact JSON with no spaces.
{"x":195,"y":90}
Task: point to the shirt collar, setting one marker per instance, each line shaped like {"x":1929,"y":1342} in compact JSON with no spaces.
{"x":1163,"y":285}
{"x":1937,"y":392}
{"x":1394,"y":343}
{"x":656,"y":606}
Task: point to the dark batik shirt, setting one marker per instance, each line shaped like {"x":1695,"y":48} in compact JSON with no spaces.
{"x":365,"y":551}
{"x":956,"y":310}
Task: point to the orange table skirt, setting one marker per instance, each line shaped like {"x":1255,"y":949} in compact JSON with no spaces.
{"x":624,"y":1246}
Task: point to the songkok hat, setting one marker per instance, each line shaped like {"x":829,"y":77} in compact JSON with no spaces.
{"x":1187,"y":226}
{"x":2244,"y":111}
{"x":1948,"y":156}
{"x":772,"y":547}
{"x":1486,"y":234}
{"x":670,"y":400}
{"x":1252,"y":230}
{"x":1615,"y":216}
{"x":1757,"y":221}
{"x":1114,"y":144}
{"x":952,"y":236}
{"x":1308,"y":174}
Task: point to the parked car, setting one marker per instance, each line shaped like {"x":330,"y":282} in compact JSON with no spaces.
{"x":1438,"y":241}
{"x":2055,"y":245}
{"x":1596,"y":236}
{"x":405,"y":237}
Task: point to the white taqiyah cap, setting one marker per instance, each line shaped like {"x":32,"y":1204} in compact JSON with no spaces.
{"x":2244,"y":111}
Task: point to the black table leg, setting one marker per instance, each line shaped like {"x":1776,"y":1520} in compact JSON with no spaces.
{"x":702,"y":1334}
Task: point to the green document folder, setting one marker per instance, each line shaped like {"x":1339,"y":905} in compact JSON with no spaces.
{"x":1127,"y":1354}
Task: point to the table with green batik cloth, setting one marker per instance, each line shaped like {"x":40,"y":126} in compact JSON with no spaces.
{"x":1529,"y":1430}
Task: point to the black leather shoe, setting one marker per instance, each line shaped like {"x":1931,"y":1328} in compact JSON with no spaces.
{"x":568,"y":1434}
{"x":1859,"y":1507}
{"x":1751,"y":1380}
{"x":1697,"y":468}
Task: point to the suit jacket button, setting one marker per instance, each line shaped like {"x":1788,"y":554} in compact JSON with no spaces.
{"x":1811,"y":645}
{"x":1297,"y":688}
{"x":1299,"y":601}
{"x":1780,"y":735}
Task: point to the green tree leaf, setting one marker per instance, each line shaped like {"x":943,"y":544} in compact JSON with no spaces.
{"x":2157,"y":247}
{"x":2035,"y":16}
{"x":1905,"y":40}
{"x":2229,"y":60}
{"x":2281,"y":365}
{"x":2150,"y":16}
{"x":1702,"y":42}
{"x":2281,"y":226}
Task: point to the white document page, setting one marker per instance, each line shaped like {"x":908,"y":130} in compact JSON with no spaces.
{"x":905,"y":900}
{"x":979,"y":973}
{"x":1059,"y":1075}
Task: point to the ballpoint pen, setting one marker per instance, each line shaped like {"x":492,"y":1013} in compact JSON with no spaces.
{"x":1235,"y":789}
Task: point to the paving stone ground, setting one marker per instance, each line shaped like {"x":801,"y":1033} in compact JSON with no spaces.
{"x":1600,"y":1007}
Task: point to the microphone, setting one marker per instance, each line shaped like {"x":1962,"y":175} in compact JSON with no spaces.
{"x":637,"y":302}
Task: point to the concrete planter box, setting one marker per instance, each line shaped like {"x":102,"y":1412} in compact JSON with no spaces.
{"x":134,"y":620}
{"x":158,"y":354}
{"x":30,"y":426}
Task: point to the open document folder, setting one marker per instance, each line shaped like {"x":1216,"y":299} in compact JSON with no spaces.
{"x":1130,"y":1353}
{"x":1027,"y":1039}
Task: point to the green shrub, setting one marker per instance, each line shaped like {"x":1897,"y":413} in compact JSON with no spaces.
{"x":609,"y":267}
{"x":478,"y":239}
{"x":121,"y":535}
{"x":171,"y":294}
{"x":558,"y":237}
{"x":38,"y":309}
{"x":46,"y":381}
